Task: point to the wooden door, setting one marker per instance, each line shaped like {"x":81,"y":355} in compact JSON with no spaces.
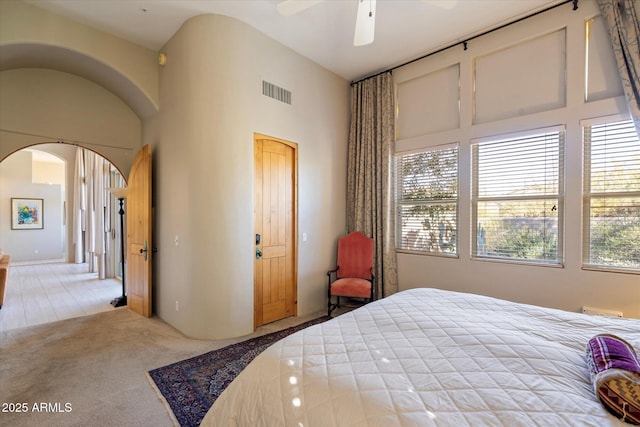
{"x":275,"y":288}
{"x":139,"y":225}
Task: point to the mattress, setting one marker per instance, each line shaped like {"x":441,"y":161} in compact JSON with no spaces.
{"x":427,"y":357}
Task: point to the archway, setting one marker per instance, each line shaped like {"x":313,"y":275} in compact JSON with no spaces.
{"x":58,"y":89}
{"x":48,"y":280}
{"x":48,"y":90}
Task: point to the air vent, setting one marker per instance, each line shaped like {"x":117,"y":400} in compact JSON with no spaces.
{"x":601,"y":312}
{"x":276,"y":92}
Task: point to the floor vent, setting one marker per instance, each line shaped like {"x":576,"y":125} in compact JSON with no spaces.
{"x":276,"y":92}
{"x":601,"y":312}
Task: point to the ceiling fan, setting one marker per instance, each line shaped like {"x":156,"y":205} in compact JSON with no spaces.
{"x":365,"y":18}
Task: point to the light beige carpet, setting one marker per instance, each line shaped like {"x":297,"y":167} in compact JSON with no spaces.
{"x":91,"y":371}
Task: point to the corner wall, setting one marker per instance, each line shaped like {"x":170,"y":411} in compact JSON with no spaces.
{"x":202,"y":139}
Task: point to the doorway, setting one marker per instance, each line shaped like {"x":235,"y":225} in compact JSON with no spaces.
{"x":275,"y":226}
{"x":49,"y":280}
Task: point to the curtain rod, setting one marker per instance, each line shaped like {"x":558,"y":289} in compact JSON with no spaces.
{"x":465,"y":41}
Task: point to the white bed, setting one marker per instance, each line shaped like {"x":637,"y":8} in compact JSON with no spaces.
{"x":427,"y":357}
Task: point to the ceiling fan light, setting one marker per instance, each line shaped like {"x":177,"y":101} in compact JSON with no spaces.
{"x":365,"y":23}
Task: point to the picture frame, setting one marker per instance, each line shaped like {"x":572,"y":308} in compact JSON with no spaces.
{"x":27,"y":214}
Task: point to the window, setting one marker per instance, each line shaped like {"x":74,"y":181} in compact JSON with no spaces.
{"x":517,"y":197}
{"x":611,"y":196}
{"x":427,"y":201}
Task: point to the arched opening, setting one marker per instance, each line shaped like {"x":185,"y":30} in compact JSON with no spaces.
{"x":59,"y":96}
{"x":68,"y":264}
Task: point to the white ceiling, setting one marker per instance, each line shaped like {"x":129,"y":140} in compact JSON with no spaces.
{"x":405,"y":29}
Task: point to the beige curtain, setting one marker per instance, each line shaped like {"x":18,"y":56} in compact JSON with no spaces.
{"x":621,"y":20}
{"x":370,"y":207}
{"x":79,"y":207}
{"x":92,"y":212}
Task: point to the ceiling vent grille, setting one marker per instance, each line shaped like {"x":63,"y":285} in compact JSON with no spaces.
{"x":276,"y":92}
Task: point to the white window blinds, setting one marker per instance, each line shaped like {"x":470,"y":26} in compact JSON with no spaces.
{"x":517,"y":197}
{"x":611,"y":234}
{"x":427,"y":201}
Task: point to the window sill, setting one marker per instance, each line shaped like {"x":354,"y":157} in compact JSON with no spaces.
{"x":518,"y":262}
{"x":425,"y":253}
{"x":608,"y":269}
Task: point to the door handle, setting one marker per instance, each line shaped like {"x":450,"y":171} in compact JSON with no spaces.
{"x":144,"y":250}
{"x":258,"y":253}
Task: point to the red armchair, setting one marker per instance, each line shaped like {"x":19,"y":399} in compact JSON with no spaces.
{"x":353,"y":277}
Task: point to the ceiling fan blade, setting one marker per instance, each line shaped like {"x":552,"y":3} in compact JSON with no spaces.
{"x":365,"y":22}
{"x":291,"y":7}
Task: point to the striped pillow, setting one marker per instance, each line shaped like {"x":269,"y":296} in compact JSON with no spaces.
{"x":615,"y":374}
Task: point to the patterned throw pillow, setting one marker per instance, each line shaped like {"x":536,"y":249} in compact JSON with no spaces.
{"x":615,"y":374}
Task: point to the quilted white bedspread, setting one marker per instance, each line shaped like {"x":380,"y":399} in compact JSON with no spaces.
{"x":427,"y":357}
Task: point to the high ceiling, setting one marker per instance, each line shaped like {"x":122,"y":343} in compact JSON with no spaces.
{"x":323,"y":32}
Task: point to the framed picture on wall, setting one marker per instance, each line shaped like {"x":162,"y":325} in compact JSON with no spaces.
{"x":27,"y":214}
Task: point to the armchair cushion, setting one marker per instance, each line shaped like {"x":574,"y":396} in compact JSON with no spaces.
{"x":351,"y":287}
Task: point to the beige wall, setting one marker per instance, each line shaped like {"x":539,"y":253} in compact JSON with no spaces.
{"x":44,"y":105}
{"x":203,"y":143}
{"x":16,"y":181}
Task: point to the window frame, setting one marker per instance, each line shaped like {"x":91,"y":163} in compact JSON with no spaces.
{"x":426,"y":202}
{"x":560,"y":196}
{"x":587,"y":195}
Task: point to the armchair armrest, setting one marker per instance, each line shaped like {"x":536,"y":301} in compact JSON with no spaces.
{"x":335,"y":270}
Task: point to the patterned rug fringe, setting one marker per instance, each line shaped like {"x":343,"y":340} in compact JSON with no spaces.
{"x":190,"y":387}
{"x":163,"y":400}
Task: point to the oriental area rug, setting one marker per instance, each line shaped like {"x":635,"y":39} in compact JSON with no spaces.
{"x":190,"y":386}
